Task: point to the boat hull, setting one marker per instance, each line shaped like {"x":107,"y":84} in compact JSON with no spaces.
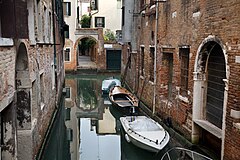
{"x":152,"y":141}
{"x":123,"y":99}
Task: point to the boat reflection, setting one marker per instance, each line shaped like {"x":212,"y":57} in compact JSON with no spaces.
{"x":95,"y":136}
{"x":88,"y":127}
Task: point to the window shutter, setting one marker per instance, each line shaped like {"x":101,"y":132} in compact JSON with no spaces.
{"x":14,"y":19}
{"x":21,"y":19}
{"x":69,"y":8}
{"x":7,"y":19}
{"x":103,"y":21}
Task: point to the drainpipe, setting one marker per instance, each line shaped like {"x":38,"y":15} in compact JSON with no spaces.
{"x":155,"y":59}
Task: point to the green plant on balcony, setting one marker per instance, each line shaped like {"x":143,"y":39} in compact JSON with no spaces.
{"x":85,"y":21}
{"x":109,"y":36}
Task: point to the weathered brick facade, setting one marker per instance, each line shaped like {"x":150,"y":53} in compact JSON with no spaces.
{"x":31,"y":74}
{"x":204,"y":29}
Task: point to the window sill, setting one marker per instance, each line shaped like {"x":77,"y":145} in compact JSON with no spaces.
{"x":153,"y":6}
{"x":4,"y":42}
{"x":141,"y":77}
{"x":237,"y":126}
{"x":151,"y":82}
{"x":184,"y":99}
{"x":209,"y":127}
{"x":42,"y":105}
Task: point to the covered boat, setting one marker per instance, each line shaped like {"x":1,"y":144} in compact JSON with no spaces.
{"x":123,"y":98}
{"x":145,"y":133}
{"x":108,"y":83}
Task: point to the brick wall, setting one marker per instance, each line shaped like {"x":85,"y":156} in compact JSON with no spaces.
{"x":189,"y":23}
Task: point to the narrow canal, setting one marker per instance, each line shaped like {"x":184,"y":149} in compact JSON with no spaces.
{"x":87,"y":127}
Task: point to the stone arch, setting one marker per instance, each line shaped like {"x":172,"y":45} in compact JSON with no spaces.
{"x":211,"y":74}
{"x":93,"y":51}
{"x":23,"y":85}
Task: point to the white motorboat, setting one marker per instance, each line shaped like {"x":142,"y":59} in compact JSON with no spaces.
{"x":145,"y":133}
{"x":108,"y":83}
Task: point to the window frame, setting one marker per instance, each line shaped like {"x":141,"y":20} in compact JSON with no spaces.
{"x":95,"y":3}
{"x":103,"y":22}
{"x":184,"y":70}
{"x":151,"y":63}
{"x":68,"y":92}
{"x":142,"y":52}
{"x":142,"y":4}
{"x":69,"y":54}
{"x":67,"y":8}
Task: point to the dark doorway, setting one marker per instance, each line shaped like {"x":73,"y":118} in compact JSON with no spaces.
{"x":114,"y":59}
{"x":216,"y":72}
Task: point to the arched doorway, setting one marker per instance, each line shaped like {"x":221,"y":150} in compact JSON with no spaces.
{"x":210,"y":94}
{"x":23,"y":86}
{"x":86,"y":49}
{"x":23,"y":104}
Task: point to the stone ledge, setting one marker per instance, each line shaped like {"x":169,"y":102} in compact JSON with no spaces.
{"x":237,"y":126}
{"x":6,"y":42}
{"x":235,"y":114}
{"x":209,"y":127}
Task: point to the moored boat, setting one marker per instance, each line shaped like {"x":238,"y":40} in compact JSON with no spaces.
{"x":145,"y":133}
{"x":108,"y":83}
{"x":122,"y":98}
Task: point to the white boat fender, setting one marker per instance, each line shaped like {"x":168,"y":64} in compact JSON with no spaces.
{"x":127,"y":138}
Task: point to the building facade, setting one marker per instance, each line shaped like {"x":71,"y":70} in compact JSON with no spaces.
{"x":184,"y":55}
{"x":31,"y":73}
{"x":87,"y":40}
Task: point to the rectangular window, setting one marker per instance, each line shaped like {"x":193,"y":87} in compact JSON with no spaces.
{"x":39,"y":21}
{"x":123,"y":15}
{"x":142,"y":61}
{"x":152,"y":2}
{"x":94,"y":4}
{"x":100,"y":22}
{"x":129,"y":58}
{"x":167,"y":69}
{"x":67,"y":114}
{"x":66,"y":34}
{"x":53,"y":76}
{"x":78,"y":18}
{"x":46,"y":25}
{"x":42,"y":92}
{"x":142,"y":3}
{"x":151,"y":64}
{"x":68,"y":92}
{"x":67,"y":8}
{"x":184,"y":59}
{"x":67,"y":54}
{"x":50,"y":27}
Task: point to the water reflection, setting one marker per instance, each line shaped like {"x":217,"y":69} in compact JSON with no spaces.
{"x":92,"y":130}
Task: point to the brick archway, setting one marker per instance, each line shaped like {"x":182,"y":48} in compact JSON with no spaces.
{"x":92,"y":52}
{"x":99,"y":57}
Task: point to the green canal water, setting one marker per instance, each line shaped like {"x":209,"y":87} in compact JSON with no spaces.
{"x":87,"y":127}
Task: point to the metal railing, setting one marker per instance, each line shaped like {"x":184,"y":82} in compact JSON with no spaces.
{"x":156,"y":142}
{"x":183,"y":154}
